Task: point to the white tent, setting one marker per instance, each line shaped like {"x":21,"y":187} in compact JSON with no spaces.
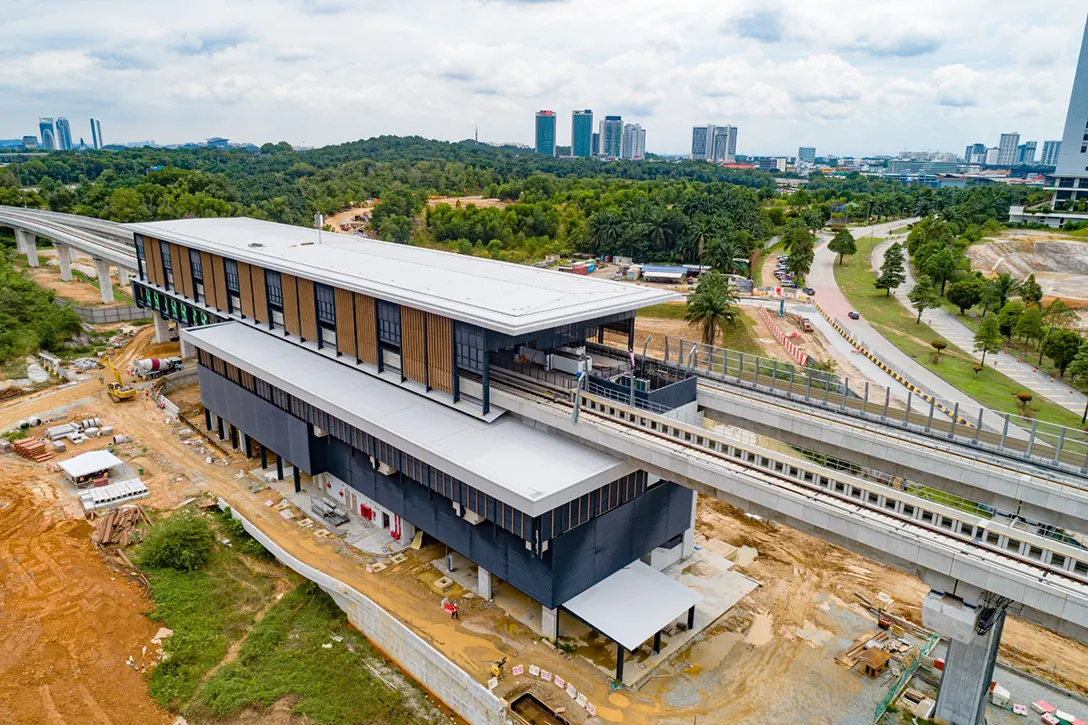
{"x":87,"y":463}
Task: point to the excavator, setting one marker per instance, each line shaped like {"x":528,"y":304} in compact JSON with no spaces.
{"x":117,"y":391}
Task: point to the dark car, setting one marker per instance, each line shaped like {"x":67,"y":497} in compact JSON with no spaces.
{"x":809,"y":291}
{"x":853,"y":315}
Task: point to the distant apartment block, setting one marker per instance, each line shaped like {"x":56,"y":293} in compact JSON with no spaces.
{"x":992,"y":157}
{"x":611,"y":130}
{"x":595,"y":144}
{"x":581,"y":134}
{"x":975,"y":153}
{"x":96,"y":134}
{"x":772,"y":165}
{"x":725,"y":144}
{"x":806,"y":155}
{"x":30,"y":142}
{"x":64,"y":134}
{"x":1007,"y":148}
{"x":699,"y":135}
{"x":1025,"y":153}
{"x":49,"y":138}
{"x":1051,"y":149}
{"x":634,"y":141}
{"x":545,"y":133}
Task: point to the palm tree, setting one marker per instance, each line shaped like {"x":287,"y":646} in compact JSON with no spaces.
{"x":605,"y":228}
{"x":699,"y":232}
{"x":722,"y":252}
{"x":1005,"y":286}
{"x":711,"y":305}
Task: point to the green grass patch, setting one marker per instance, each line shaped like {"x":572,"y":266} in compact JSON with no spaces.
{"x":93,"y":281}
{"x":741,"y":336}
{"x":207,"y":609}
{"x":665,"y":311}
{"x":990,"y":387}
{"x":284,"y":655}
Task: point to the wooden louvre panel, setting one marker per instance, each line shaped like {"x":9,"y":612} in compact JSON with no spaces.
{"x":413,"y":344}
{"x":440,"y":353}
{"x":345,"y":323}
{"x":220,"y":284}
{"x":183,"y":270}
{"x":366,"y":328}
{"x":290,"y":304}
{"x":209,"y":280}
{"x":154,"y":264}
{"x":245,"y":289}
{"x":260,"y":294}
{"x":307,"y":308}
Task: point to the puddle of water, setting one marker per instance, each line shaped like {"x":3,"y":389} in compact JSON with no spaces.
{"x":762,"y":630}
{"x":709,"y":653}
{"x":812,"y":634}
{"x":746,"y":555}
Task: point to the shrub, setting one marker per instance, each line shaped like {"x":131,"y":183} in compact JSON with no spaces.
{"x":183,"y":542}
{"x":240,"y":538}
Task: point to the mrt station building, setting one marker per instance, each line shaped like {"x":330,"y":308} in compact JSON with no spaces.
{"x":368,"y":366}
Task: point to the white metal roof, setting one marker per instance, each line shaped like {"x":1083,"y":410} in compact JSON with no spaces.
{"x":529,"y":469}
{"x":633,"y":604}
{"x":501,"y":296}
{"x":90,"y":462}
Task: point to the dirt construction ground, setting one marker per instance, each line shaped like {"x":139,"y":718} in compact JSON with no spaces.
{"x":68,"y":623}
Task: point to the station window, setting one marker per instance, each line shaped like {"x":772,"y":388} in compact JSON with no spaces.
{"x":234,"y":299}
{"x":1079,"y":567}
{"x":1012,"y":545}
{"x":274,"y":287}
{"x":1057,"y":561}
{"x":198,"y":275}
{"x":167,"y":266}
{"x":389,"y":323}
{"x":326,"y":315}
{"x":470,"y":351}
{"x":140,"y":261}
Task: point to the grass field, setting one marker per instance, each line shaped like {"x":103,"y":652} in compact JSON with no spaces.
{"x":740,"y":336}
{"x":248,"y":632}
{"x":990,"y":387}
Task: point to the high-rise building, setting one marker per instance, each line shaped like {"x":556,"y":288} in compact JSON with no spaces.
{"x":64,"y":134}
{"x":1006,"y":149}
{"x":699,"y":135}
{"x":993,"y":155}
{"x":974,"y":151}
{"x":96,"y":133}
{"x":49,"y":138}
{"x":595,"y":144}
{"x":30,"y":142}
{"x":545,"y":133}
{"x":724,"y":144}
{"x":1025,"y":154}
{"x":581,"y":134}
{"x":806,"y":155}
{"x":1050,"y":153}
{"x":634,"y":141}
{"x":611,"y":130}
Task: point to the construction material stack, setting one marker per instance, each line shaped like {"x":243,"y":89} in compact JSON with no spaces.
{"x":32,"y":448}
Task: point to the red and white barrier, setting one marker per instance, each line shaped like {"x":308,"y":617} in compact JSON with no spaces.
{"x":795,"y":352}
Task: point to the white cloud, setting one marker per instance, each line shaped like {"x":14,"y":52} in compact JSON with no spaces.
{"x":850,"y":76}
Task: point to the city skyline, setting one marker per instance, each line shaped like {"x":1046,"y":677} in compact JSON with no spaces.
{"x":928,"y":77}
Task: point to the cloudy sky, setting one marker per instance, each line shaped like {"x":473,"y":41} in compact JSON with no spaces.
{"x":847,"y":76}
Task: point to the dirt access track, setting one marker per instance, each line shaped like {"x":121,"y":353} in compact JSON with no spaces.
{"x":1059,"y":263}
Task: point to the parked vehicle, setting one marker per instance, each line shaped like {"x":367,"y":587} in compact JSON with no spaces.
{"x":853,"y":315}
{"x":809,"y":291}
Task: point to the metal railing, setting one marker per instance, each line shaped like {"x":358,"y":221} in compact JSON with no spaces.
{"x":1010,"y":436}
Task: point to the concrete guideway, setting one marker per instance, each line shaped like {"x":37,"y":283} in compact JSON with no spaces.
{"x":68,"y":239}
{"x":1060,"y":605}
{"x":963,"y":337}
{"x":100,"y":227}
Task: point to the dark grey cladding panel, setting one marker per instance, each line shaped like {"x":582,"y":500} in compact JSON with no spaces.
{"x":275,"y":429}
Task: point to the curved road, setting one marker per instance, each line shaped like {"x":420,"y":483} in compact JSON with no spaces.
{"x":963,"y":337}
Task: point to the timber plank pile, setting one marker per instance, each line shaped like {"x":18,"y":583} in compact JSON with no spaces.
{"x":118,"y":526}
{"x":32,"y":448}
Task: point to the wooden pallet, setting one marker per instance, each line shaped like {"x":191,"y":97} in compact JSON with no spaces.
{"x":32,"y":448}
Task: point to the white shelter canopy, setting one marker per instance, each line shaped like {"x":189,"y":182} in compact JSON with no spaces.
{"x":87,"y":463}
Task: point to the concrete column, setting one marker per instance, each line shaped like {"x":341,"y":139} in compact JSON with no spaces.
{"x":298,"y":478}
{"x":65,"y":261}
{"x":188,"y":349}
{"x":483,"y":587}
{"x":20,"y":242}
{"x":162,"y":328}
{"x":219,"y":429}
{"x":279,"y":467}
{"x":969,"y":665}
{"x":123,"y":276}
{"x":549,"y":622}
{"x":264,"y":458}
{"x":105,"y":283}
{"x":29,"y":243}
{"x":208,"y":419}
{"x":73,"y":253}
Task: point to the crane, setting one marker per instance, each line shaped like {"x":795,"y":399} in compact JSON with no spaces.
{"x":117,"y":390}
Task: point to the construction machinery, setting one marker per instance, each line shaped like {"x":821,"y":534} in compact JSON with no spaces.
{"x":496,"y":667}
{"x":155,"y":367}
{"x":117,"y":390}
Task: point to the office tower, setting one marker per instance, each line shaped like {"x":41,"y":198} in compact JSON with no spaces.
{"x":64,"y":134}
{"x":49,"y":139}
{"x":725,"y":144}
{"x":581,"y":134}
{"x":699,"y":135}
{"x":611,"y":130}
{"x":1050,"y":153}
{"x":96,"y":133}
{"x":1025,"y":154}
{"x":993,"y":154}
{"x":545,"y":133}
{"x":595,"y":144}
{"x":634,"y":141}
{"x":30,"y":142}
{"x":974,"y":151}
{"x":806,"y":155}
{"x":1006,"y":149}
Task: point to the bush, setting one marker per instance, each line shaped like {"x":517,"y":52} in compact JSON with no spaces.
{"x":183,"y":542}
{"x":240,"y":538}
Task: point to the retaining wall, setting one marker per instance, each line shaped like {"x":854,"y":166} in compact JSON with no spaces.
{"x":468,"y":698}
{"x":104,"y":315}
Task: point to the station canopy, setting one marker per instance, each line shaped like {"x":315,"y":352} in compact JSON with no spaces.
{"x":87,"y":463}
{"x":633,"y":604}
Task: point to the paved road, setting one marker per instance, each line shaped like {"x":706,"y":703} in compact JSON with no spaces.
{"x":963,"y":337}
{"x":822,"y":279}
